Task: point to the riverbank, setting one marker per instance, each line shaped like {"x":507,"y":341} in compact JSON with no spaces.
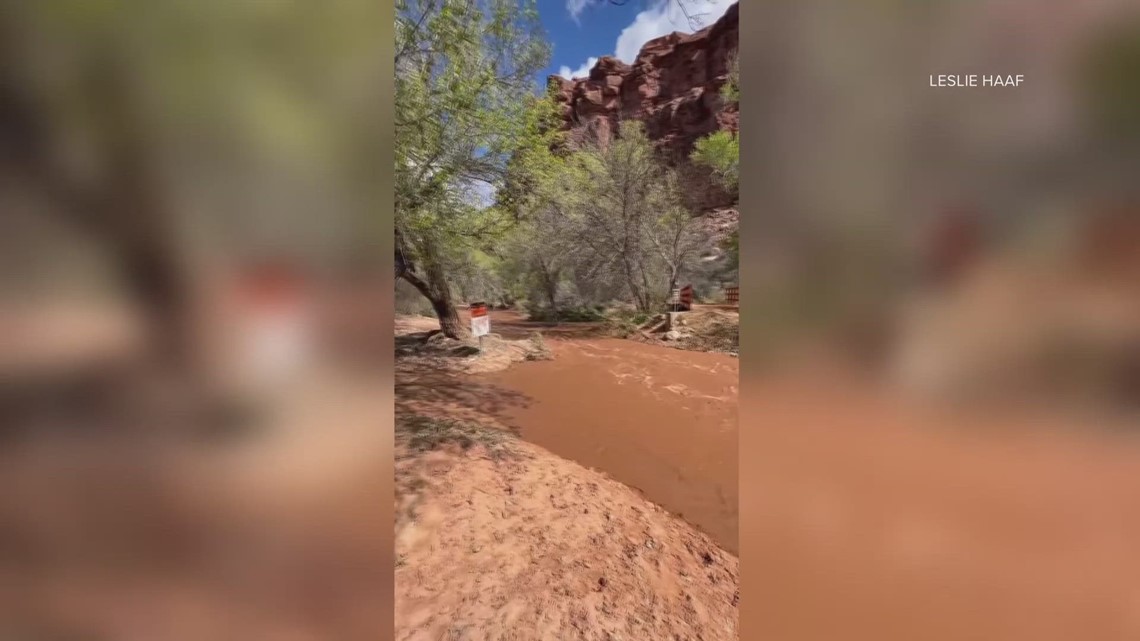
{"x":498,"y":537}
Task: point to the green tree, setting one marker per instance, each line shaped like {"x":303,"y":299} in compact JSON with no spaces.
{"x":537,"y":162}
{"x":540,"y":252}
{"x":538,"y":257}
{"x":627,"y":214}
{"x":464,"y":103}
{"x":720,"y":152}
{"x":161,"y":99}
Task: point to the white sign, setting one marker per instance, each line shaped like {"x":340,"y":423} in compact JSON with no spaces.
{"x":481,"y":326}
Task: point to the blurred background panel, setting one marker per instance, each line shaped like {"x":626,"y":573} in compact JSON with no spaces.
{"x":195,"y":297}
{"x":942,"y":321}
{"x":876,"y":192}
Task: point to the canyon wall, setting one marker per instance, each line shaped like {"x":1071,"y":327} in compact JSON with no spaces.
{"x":674,"y":88}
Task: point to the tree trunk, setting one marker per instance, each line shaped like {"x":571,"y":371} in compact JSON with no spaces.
{"x":552,"y":296}
{"x":126,"y":213}
{"x":549,"y":279}
{"x":434,"y":287}
{"x":449,"y":321}
{"x":160,"y":285}
{"x":647,"y":291}
{"x":137,"y":212}
{"x":631,"y":282}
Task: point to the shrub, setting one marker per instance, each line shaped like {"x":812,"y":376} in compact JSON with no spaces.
{"x":570,"y":315}
{"x":624,"y":323}
{"x":410,"y":301}
{"x":538,"y":350}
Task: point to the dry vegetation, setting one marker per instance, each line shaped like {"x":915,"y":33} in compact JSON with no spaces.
{"x":701,"y":330}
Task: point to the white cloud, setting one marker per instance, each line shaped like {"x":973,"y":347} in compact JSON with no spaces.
{"x":663,"y":18}
{"x":576,"y":7}
{"x":580,"y":72}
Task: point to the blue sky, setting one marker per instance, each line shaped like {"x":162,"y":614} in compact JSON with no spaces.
{"x":583,"y":30}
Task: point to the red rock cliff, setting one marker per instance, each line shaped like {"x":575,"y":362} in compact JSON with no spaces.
{"x":673,"y":88}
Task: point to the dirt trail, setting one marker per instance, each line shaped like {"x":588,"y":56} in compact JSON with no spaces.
{"x":657,"y":419}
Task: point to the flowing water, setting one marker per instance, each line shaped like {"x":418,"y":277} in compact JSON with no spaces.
{"x":660,"y":420}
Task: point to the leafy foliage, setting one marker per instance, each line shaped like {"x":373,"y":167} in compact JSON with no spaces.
{"x":612,"y":211}
{"x":569,"y":315}
{"x":731,"y":89}
{"x":533,"y":164}
{"x":464,"y":103}
{"x":464,"y":95}
{"x":565,"y":228}
{"x":720,"y":151}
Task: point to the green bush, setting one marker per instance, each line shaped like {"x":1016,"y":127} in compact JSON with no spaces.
{"x":628,"y":315}
{"x":571,"y":315}
{"x":624,"y":322}
{"x":410,"y":301}
{"x":719,"y":151}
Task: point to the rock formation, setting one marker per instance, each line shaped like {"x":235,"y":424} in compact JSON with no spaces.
{"x":673,"y":87}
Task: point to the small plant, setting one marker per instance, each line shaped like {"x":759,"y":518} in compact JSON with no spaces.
{"x":624,"y":323}
{"x":538,"y":349}
{"x":720,"y":152}
{"x":572,"y":315}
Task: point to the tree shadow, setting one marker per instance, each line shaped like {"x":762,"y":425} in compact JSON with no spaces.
{"x":459,"y":396}
{"x":425,"y":433}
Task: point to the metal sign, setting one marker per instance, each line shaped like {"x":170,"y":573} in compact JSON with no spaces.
{"x":687,"y":297}
{"x":276,"y":322}
{"x":480,"y":321}
{"x":681,"y":299}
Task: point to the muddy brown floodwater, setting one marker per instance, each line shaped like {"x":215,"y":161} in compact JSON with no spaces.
{"x":661,"y":420}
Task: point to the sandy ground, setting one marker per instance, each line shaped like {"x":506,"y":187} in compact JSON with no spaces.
{"x":527,"y":545}
{"x":506,"y":540}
